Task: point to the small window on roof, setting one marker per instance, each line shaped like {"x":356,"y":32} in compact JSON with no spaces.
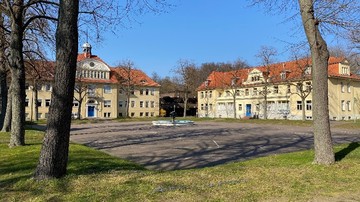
{"x":143,"y":81}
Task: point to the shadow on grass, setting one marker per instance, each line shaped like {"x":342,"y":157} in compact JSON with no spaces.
{"x":344,"y":152}
{"x":83,"y":161}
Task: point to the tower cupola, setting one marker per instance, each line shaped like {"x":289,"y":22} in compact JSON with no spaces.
{"x":86,"y":49}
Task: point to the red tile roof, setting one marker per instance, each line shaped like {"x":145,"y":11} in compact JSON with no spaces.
{"x":294,"y":71}
{"x":139,"y":77}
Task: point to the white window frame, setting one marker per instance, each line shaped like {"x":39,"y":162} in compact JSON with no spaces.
{"x":107,"y":103}
{"x":107,"y":89}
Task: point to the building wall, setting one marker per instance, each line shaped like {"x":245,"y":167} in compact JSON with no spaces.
{"x":143,"y":103}
{"x":282,"y":103}
{"x":104,"y":102}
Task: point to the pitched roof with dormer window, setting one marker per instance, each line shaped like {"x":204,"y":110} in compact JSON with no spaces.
{"x":276,"y":73}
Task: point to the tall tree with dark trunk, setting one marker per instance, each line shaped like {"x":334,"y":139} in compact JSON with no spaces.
{"x":335,"y":17}
{"x":54,"y":152}
{"x":16,"y":63}
{"x":324,"y":153}
{"x":3,"y":71}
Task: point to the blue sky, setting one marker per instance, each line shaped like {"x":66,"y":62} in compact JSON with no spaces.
{"x":199,"y":31}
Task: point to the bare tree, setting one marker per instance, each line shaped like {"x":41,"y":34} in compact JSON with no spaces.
{"x":186,"y":76}
{"x":319,"y":18}
{"x":266,"y":55}
{"x":126,"y":77}
{"x":3,"y":71}
{"x":21,"y":16}
{"x":302,"y":83}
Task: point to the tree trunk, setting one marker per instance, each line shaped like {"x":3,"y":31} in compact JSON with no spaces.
{"x":128,"y":104}
{"x":7,"y":120}
{"x":234,"y":104}
{"x":79,"y":109}
{"x":54,"y":152}
{"x":3,"y":73}
{"x":17,"y":68}
{"x":303,"y":117}
{"x":36,"y":107}
{"x":319,"y":54}
{"x":185,"y":103}
{"x":4,"y":94}
{"x":265,"y":102}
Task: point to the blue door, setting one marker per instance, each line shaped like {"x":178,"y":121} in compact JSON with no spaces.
{"x":248,"y":110}
{"x":91,"y":111}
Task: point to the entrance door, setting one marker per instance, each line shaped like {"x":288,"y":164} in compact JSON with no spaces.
{"x":91,"y":111}
{"x":248,"y":110}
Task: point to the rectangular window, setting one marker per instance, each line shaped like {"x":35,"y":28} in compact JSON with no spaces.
{"x":202,"y":94}
{"x":146,"y":91}
{"x":288,"y":89}
{"x":141,"y":114}
{"x":210,"y":94}
{"x":132,"y":114}
{"x":299,"y":105}
{"x":75,"y":103}
{"x":308,"y":105}
{"x":132,"y":103}
{"x":343,"y":105}
{"x":121,"y":103}
{"x":47,"y":102}
{"x":141,"y":104}
{"x":210,"y":107}
{"x":308,"y":86}
{"x":276,"y":89}
{"x":342,"y":87}
{"x":146,"y":104}
{"x":26,"y":102}
{"x":91,"y":90}
{"x":107,"y":103}
{"x":39,"y":102}
{"x":152,"y":114}
{"x":152,"y":91}
{"x":147,"y":114}
{"x":237,"y":92}
{"x":107,"y":89}
{"x":255,"y":92}
{"x":107,"y":114}
{"x":202,"y":106}
{"x":39,"y":115}
{"x":348,"y":88}
{"x":246,"y":92}
{"x":48,"y":87}
{"x":152,"y":104}
{"x":240,"y":107}
{"x":348,"y":103}
{"x":141,"y":91}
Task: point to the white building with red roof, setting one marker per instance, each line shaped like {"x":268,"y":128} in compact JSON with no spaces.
{"x":284,"y":89}
{"x":98,"y":91}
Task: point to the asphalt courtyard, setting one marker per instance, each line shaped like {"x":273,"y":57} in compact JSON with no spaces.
{"x":203,"y":144}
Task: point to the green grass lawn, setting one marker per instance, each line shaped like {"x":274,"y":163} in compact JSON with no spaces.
{"x":95,"y":176}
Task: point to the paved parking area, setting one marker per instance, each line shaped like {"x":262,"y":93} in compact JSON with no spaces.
{"x":201,"y":145}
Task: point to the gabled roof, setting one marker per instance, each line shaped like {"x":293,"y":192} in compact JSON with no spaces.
{"x":294,"y":70}
{"x":46,"y":69}
{"x":137,"y":77}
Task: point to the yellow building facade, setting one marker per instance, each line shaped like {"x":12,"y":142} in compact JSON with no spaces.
{"x":98,"y":92}
{"x":284,"y":89}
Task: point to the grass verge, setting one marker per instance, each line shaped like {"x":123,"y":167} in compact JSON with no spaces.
{"x":95,"y":176}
